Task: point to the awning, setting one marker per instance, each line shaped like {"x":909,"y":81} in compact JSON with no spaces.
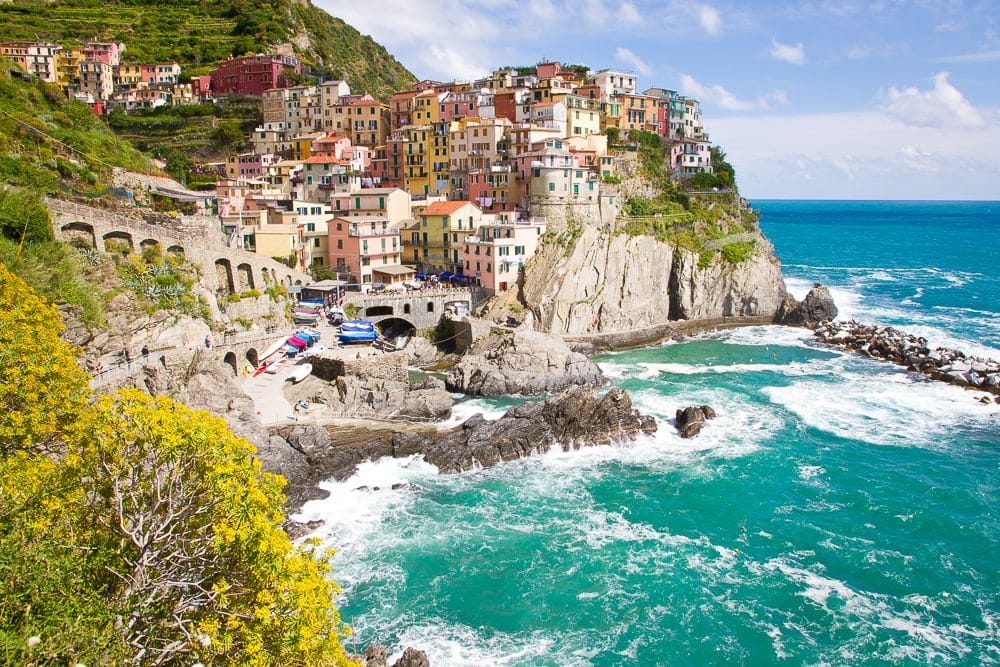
{"x":446,"y":275}
{"x":394,"y":270}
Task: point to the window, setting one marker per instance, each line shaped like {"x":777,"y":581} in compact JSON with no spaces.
{"x":340,"y":244}
{"x":552,"y":187}
{"x":316,"y":242}
{"x":357,"y":202}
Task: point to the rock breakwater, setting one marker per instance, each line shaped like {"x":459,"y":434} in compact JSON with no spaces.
{"x":893,"y":345}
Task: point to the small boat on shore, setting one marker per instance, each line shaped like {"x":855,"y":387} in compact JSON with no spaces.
{"x":300,"y":373}
{"x":274,"y":347}
{"x":276,"y":366}
{"x":349,"y":337}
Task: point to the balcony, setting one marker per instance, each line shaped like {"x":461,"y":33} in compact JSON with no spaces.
{"x":369,"y":232}
{"x":327,"y":186}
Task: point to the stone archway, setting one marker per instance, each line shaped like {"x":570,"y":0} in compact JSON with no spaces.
{"x":378,"y":311}
{"x":79,"y":233}
{"x":149,"y":246}
{"x":118,"y":241}
{"x":176,"y":251}
{"x":244,"y":277}
{"x":224,"y":275}
{"x":253,"y":357}
{"x":394,"y":327}
{"x":230,"y":360}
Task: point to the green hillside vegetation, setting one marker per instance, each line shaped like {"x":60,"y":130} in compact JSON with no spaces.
{"x":200,"y":33}
{"x":51,"y":144}
{"x":687,"y":213}
{"x":134,"y":530}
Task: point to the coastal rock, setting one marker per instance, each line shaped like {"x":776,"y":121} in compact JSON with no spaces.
{"x":308,"y":454}
{"x":375,"y":656}
{"x":521,"y":362}
{"x":412,"y":658}
{"x":691,"y":420}
{"x":889,"y":344}
{"x":818,"y":307}
{"x":625,"y":290}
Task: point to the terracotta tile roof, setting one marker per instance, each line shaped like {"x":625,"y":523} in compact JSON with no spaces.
{"x":445,"y":207}
{"x":322,"y":159}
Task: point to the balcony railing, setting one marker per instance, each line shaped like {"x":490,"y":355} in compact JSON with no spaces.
{"x":369,"y":232}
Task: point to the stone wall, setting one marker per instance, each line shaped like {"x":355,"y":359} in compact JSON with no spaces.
{"x":384,"y":366}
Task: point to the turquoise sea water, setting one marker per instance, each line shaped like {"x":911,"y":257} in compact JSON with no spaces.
{"x":838,"y":511}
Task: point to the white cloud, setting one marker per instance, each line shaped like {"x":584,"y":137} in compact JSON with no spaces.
{"x":719,"y":96}
{"x":980,"y":57}
{"x":859,"y":155}
{"x":624,"y":55}
{"x":919,"y":160}
{"x":709,"y":19}
{"x":628,"y":14}
{"x":794,"y":54}
{"x":942,"y":106}
{"x":948,"y":26}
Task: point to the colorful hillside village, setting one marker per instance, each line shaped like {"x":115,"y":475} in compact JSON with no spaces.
{"x":443,"y":178}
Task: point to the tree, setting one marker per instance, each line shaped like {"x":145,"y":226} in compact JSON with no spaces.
{"x":136,"y":530}
{"x":23,"y":217}
{"x":188,"y":527}
{"x":43,"y":388}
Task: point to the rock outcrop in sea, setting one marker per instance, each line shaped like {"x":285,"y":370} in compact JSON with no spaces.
{"x":893,"y":345}
{"x":816,"y":308}
{"x":307,"y":454}
{"x":691,"y":420}
{"x":521,"y":362}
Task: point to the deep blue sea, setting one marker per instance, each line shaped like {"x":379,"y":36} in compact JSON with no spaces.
{"x":839,"y":511}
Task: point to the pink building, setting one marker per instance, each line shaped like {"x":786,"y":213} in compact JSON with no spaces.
{"x":364,"y":246}
{"x":252,"y":75}
{"x":496,"y":253}
{"x":201,"y":86}
{"x":108,"y":53}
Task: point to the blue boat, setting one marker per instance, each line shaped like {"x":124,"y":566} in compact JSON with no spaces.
{"x":349,"y":337}
{"x":356,"y":325}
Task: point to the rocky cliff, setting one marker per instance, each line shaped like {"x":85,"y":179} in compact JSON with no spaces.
{"x":591,"y":278}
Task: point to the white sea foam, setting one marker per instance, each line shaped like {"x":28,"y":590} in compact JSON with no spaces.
{"x":891,"y":408}
{"x":766,"y":336}
{"x":795,"y":368}
{"x":883,"y":276}
{"x":462,"y":411}
{"x":807,"y":472}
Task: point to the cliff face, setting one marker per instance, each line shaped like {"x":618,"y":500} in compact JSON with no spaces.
{"x":596,"y":280}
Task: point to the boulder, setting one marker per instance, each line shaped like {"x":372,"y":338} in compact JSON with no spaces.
{"x":523,"y":362}
{"x":816,"y":308}
{"x":412,"y":658}
{"x":375,"y":656}
{"x":691,"y":420}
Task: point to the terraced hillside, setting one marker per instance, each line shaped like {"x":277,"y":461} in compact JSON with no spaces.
{"x":200,"y":33}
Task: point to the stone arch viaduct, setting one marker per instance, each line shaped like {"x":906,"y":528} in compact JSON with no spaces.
{"x":421,"y":308}
{"x":224,"y":270}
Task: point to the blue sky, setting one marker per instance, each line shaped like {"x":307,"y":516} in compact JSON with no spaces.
{"x":828,"y":99}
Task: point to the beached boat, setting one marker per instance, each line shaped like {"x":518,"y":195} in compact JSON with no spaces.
{"x":356,"y":325}
{"x":308,"y":335}
{"x":300,"y":373}
{"x":295,"y":341}
{"x":276,"y":366}
{"x":349,"y":337}
{"x":274,"y":347}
